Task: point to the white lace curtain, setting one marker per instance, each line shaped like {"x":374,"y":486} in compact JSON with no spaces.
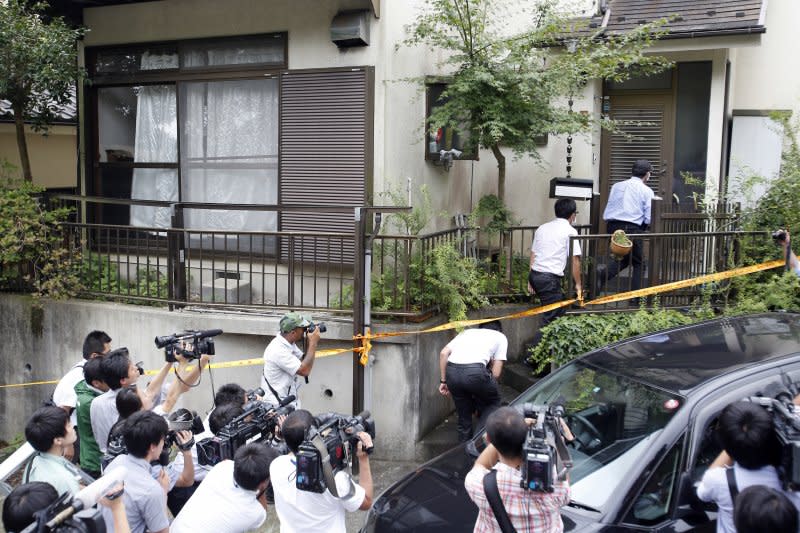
{"x":229,"y":148}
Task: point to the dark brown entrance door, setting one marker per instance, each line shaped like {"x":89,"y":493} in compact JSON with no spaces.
{"x":646,"y":131}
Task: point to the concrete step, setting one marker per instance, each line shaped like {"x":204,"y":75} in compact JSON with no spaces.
{"x":517,"y":376}
{"x":445,"y":435}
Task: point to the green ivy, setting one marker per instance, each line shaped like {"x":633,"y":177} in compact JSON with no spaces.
{"x":573,"y":335}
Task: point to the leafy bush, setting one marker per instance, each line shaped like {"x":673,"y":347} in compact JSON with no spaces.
{"x":32,"y":244}
{"x":572,"y":335}
{"x":453,"y":281}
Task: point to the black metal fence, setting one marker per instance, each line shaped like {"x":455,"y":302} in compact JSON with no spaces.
{"x":178,"y":266}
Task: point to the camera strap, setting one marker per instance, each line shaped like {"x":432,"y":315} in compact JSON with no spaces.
{"x":493,"y":496}
{"x":327,"y":471}
{"x":273,"y":391}
{"x":732,"y":486}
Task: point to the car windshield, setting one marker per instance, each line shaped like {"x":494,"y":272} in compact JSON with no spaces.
{"x":613,"y":420}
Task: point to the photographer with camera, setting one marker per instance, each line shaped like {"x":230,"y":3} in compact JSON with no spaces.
{"x":34,"y":504}
{"x":760,"y":509}
{"x":145,"y":497}
{"x":783,"y":239}
{"x":284,"y":362}
{"x":50,"y":432}
{"x":225,"y":502}
{"x":750,"y":451}
{"x":307,"y":511}
{"x":526,"y":510}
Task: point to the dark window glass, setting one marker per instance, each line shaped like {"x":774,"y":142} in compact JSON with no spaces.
{"x":445,"y":137}
{"x":267,"y":50}
{"x":652,"y":504}
{"x":662,"y":80}
{"x":136,"y":59}
{"x":691,"y":135}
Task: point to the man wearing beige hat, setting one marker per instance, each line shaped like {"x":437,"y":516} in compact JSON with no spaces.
{"x":285,"y":363}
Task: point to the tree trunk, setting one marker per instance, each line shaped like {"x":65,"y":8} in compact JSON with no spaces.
{"x":22,"y":144}
{"x":501,"y":172}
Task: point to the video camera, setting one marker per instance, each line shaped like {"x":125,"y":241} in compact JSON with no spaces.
{"x":254,"y":394}
{"x":256,"y":424}
{"x":544,"y":450}
{"x":329,"y":448}
{"x":322,"y":327}
{"x":787,"y":430}
{"x":77,"y":514}
{"x":201,"y":343}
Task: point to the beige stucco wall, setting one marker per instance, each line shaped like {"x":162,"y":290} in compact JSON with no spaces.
{"x":399,"y":106}
{"x":53,"y":157}
{"x":768,"y":77}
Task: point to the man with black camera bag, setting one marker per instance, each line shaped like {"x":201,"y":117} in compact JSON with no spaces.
{"x":495,"y":483}
{"x":308,"y":511}
{"x":284,"y":362}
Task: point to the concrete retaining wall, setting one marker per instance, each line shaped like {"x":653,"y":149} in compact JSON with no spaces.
{"x":38,"y":346}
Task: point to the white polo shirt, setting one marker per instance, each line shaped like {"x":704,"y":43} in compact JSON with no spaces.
{"x":220,"y":505}
{"x":65,"y":394}
{"x":308,"y":512}
{"x":477,"y":346}
{"x":281,"y":361}
{"x":551,"y":246}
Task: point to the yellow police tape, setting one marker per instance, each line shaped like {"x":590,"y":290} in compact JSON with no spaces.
{"x":366,"y":344}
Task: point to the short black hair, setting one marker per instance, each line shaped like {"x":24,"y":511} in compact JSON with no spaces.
{"x":761,"y":509}
{"x":493,"y":325}
{"x":295,"y":428}
{"x":641,"y":167}
{"x":93,"y":370}
{"x":507,"y":431}
{"x":222,"y":415}
{"x":95,"y":342}
{"x":44,"y":426}
{"x":142,"y":430}
{"x":128,"y":402}
{"x":747,"y":433}
{"x":565,"y":207}
{"x":115,"y":367}
{"x":229,"y":393}
{"x":251,"y":465}
{"x":25,"y":500}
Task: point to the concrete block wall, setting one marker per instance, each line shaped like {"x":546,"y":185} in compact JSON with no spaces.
{"x":406,"y":404}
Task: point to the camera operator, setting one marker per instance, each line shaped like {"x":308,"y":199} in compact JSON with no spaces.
{"x":528,"y":510}
{"x":304,"y":511}
{"x":783,"y":239}
{"x":95,"y":344}
{"x":217,"y":420}
{"x":760,"y":509}
{"x":750,"y":449}
{"x":22,"y":505}
{"x":225,"y":501}
{"x":284,"y":362}
{"x":145,"y":498}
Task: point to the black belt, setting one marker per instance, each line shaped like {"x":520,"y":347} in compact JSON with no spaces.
{"x":547,"y":274}
{"x":626,"y":222}
{"x":467,"y":365}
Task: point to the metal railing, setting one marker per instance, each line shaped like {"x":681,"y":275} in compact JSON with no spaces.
{"x":665,"y":258}
{"x":318,"y":271}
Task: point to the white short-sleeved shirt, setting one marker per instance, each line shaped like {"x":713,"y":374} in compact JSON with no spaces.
{"x":281,"y":361}
{"x":551,"y":246}
{"x":145,"y":499}
{"x":65,"y":395}
{"x":306,"y":512}
{"x":714,"y":488}
{"x":477,"y":346}
{"x":200,"y":471}
{"x":220,"y":505}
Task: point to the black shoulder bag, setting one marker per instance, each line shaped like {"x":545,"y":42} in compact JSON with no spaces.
{"x":493,"y":495}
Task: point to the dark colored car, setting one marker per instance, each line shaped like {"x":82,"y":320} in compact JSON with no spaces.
{"x":642,"y":412}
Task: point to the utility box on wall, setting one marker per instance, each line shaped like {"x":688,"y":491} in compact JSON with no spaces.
{"x":350,"y":28}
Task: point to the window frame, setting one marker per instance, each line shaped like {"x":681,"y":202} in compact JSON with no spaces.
{"x":431,"y":81}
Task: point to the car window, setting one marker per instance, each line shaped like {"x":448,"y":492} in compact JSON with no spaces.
{"x":614,"y":420}
{"x":652,"y":504}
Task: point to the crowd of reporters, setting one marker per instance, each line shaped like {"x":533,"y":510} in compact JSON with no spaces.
{"x":104,"y":424}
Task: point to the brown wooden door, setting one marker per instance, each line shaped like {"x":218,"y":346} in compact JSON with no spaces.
{"x":646,"y":131}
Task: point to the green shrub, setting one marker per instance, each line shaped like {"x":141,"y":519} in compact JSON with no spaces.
{"x":573,"y":335}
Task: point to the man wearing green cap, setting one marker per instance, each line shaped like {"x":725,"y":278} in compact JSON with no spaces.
{"x":284,"y":361}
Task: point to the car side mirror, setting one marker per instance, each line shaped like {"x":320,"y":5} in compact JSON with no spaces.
{"x":688,"y":502}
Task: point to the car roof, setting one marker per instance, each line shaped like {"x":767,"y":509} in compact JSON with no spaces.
{"x":684,"y":358}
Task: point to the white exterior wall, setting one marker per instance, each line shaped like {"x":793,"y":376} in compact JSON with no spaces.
{"x":399,"y":105}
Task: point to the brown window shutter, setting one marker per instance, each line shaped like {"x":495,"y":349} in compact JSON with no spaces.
{"x":640,"y":137}
{"x":324,"y":139}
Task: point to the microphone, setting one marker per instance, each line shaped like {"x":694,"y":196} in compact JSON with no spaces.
{"x":209,"y":333}
{"x":286,"y":401}
{"x":88,"y":496}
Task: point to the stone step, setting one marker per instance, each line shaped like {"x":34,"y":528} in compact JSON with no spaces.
{"x":445,"y":435}
{"x":517,"y":376}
